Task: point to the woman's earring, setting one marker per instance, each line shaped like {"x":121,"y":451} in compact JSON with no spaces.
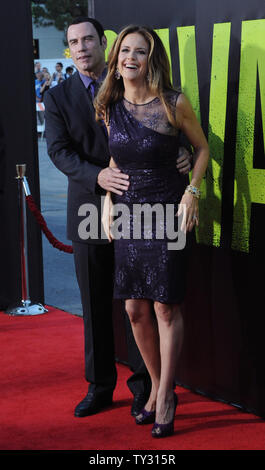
{"x":148,"y":77}
{"x":117,"y":74}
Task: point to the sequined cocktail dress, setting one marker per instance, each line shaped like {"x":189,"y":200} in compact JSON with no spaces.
{"x":144,"y":145}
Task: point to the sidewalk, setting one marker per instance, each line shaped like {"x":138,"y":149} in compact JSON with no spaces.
{"x":60,"y":285}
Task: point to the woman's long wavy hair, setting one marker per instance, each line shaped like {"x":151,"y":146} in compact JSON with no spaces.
{"x":112,"y":90}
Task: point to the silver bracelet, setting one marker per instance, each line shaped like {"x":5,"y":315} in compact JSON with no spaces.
{"x":193,"y":190}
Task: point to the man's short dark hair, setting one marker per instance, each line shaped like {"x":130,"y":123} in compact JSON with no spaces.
{"x":85,"y":19}
{"x":60,"y":63}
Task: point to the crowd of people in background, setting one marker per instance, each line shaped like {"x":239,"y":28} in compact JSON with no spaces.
{"x":45,"y":80}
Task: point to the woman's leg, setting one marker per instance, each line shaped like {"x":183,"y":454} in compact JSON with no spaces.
{"x":170,"y":327}
{"x":144,"y":327}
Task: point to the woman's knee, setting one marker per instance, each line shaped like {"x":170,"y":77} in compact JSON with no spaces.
{"x":167,"y":313}
{"x":136,"y":310}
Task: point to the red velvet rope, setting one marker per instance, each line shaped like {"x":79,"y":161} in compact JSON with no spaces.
{"x":54,"y":242}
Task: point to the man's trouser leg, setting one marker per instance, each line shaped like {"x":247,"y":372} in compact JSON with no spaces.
{"x":94,"y":269}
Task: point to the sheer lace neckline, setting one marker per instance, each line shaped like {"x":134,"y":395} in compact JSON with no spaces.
{"x":141,"y":104}
{"x":152,"y":114}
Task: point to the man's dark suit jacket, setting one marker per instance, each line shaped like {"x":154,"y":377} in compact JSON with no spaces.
{"x":78,"y":147}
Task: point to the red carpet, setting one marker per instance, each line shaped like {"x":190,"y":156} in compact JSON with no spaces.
{"x":42,"y":380}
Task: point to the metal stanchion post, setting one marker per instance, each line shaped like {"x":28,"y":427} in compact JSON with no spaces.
{"x":25,"y":307}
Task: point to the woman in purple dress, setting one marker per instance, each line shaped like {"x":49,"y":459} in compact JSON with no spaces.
{"x":144,"y":115}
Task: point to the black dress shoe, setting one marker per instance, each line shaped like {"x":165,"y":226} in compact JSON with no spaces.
{"x":93,"y":403}
{"x":139,"y":401}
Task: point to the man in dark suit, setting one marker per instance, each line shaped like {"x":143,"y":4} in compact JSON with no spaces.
{"x":78,"y":147}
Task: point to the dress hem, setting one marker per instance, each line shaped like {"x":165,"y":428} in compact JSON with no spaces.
{"x":162,"y":301}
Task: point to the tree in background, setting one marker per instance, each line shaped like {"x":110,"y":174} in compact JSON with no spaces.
{"x":58,"y":13}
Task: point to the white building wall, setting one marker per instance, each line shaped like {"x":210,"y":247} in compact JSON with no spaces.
{"x":51,"y":43}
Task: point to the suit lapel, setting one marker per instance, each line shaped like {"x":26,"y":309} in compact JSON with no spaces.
{"x":85,"y":105}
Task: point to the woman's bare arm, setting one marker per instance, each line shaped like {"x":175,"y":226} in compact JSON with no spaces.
{"x":192,"y":129}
